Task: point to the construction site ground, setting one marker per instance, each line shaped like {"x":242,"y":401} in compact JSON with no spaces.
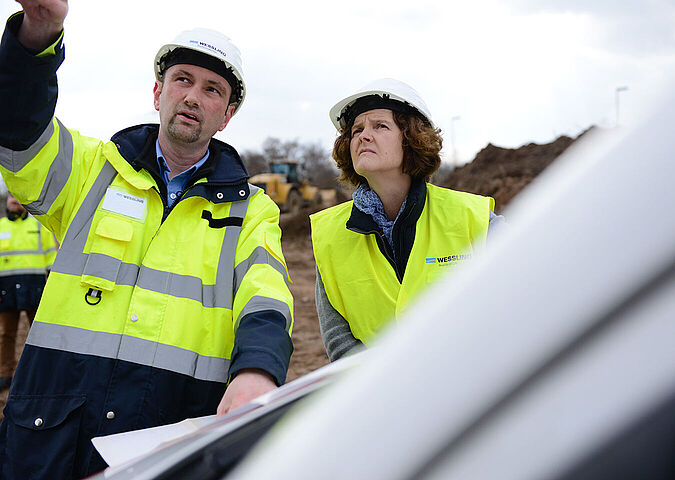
{"x":498,"y":172}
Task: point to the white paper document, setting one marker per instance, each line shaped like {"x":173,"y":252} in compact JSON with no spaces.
{"x":122,"y":447}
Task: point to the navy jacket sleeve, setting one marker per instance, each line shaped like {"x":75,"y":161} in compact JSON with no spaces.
{"x":28,"y":89}
{"x":262,"y":342}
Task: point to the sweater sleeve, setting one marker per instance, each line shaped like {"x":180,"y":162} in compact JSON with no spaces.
{"x":335,"y":332}
{"x":497,"y":222}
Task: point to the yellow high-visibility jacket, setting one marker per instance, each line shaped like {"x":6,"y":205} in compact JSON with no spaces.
{"x":360,"y":281}
{"x":173,"y":283}
{"x":26,"y":247}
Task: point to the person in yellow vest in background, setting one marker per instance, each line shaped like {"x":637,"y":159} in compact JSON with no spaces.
{"x":374,"y":254}
{"x":27,"y":251}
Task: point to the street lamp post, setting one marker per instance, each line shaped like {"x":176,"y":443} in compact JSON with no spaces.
{"x":452,"y":138}
{"x":616,"y":97}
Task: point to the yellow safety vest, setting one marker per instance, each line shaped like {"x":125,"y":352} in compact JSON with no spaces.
{"x":26,"y":247}
{"x":172,"y":292}
{"x":360,"y":282}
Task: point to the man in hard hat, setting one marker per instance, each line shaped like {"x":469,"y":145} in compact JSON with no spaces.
{"x":27,"y":251}
{"x":170,"y":284}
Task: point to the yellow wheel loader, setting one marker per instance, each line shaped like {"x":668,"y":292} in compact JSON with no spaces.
{"x":285,"y":187}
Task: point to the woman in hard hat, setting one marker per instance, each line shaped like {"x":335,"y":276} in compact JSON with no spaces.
{"x":374,"y":254}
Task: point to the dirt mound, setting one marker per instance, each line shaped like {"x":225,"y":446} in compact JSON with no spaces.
{"x":295,"y":226}
{"x":502,"y":173}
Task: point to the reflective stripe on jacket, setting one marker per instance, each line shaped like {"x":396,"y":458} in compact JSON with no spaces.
{"x":25,"y":247}
{"x":361,"y":283}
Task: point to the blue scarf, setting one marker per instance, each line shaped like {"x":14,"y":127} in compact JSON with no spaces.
{"x":366,"y":200}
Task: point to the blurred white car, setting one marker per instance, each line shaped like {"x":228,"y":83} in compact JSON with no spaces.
{"x":550,"y":356}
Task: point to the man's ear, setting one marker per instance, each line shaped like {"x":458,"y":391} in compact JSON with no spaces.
{"x":157,"y":90}
{"x":228,"y":117}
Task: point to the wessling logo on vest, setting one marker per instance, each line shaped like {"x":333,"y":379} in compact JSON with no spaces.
{"x":449,"y":260}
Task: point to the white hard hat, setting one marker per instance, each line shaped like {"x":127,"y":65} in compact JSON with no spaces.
{"x":387,"y":93}
{"x":215,"y":51}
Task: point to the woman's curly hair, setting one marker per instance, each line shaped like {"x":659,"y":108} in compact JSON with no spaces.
{"x":422,"y":144}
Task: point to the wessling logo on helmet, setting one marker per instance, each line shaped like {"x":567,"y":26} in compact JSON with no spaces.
{"x":204,"y":44}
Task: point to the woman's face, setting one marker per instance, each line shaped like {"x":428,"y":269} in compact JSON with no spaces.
{"x":376,"y":146}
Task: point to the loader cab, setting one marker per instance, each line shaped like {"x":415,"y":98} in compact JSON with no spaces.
{"x":287,"y":168}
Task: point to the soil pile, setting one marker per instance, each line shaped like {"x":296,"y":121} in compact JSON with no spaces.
{"x":502,"y":173}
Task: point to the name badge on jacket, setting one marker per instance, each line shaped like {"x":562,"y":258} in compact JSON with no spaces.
{"x":124,"y":203}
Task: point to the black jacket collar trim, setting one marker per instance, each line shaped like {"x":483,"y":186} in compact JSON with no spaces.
{"x":13,"y":217}
{"x":224,"y":170}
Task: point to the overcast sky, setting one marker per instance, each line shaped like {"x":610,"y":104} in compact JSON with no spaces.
{"x":509,"y":72}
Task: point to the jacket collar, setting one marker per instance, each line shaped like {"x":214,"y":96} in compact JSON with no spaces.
{"x":225,"y":173}
{"x":11,"y":216}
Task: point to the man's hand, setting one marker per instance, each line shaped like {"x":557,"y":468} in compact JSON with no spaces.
{"x":247,"y":385}
{"x":42,"y":22}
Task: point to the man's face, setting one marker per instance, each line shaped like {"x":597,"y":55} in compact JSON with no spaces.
{"x":192,"y":103}
{"x":14,"y":206}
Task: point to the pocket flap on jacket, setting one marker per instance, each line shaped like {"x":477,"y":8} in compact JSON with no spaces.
{"x":43,"y":412}
{"x":115,"y":228}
